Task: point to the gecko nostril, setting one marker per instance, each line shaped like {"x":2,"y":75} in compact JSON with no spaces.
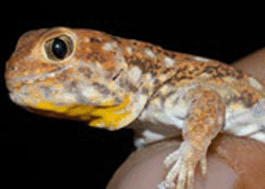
{"x":12,"y":68}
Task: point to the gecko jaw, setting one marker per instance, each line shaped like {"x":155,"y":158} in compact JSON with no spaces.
{"x":34,"y":78}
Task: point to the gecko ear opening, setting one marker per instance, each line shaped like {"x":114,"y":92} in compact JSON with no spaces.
{"x":59,"y":48}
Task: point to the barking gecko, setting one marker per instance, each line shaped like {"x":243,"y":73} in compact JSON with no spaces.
{"x":111,"y":83}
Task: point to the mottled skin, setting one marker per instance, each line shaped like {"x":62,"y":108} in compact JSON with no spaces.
{"x":111,"y":82}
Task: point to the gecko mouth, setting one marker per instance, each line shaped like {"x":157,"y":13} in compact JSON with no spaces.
{"x":13,"y":84}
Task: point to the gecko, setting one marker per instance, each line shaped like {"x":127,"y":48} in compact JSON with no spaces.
{"x":111,"y":82}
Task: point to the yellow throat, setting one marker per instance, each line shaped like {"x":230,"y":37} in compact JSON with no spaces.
{"x":106,"y":116}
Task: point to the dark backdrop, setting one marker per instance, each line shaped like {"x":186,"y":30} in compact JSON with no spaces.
{"x":34,"y":147}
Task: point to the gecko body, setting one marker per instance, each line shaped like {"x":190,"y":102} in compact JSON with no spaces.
{"x":110,"y":82}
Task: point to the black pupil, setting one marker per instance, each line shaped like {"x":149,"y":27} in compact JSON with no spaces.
{"x":59,"y":48}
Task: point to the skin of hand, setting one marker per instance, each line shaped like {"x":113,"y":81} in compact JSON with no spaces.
{"x":232,"y":162}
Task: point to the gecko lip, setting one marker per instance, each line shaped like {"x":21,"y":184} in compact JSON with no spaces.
{"x":22,"y":99}
{"x":32,"y":78}
{"x":14,"y":85}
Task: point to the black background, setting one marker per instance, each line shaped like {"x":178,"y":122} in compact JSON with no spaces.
{"x":34,"y":147}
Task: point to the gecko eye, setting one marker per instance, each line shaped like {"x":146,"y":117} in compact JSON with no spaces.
{"x":59,"y":48}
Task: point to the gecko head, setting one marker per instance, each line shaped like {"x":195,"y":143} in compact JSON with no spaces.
{"x":72,"y":73}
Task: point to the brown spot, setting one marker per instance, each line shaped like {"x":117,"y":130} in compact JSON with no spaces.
{"x":102,"y":89}
{"x":124,"y":83}
{"x":117,"y":39}
{"x":93,"y":55}
{"x":170,"y":54}
{"x":86,"y":72}
{"x":249,"y":97}
{"x":184,"y":78}
{"x":239,"y":74}
{"x":210,"y":69}
{"x":95,"y":40}
{"x":132,"y":87}
{"x":72,"y":86}
{"x":145,"y":90}
{"x":63,"y":76}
